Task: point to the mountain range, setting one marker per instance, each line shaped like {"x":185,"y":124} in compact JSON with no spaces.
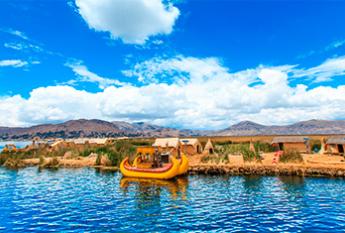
{"x":248,"y":128}
{"x":100,"y":128}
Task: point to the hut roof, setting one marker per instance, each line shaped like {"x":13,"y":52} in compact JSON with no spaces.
{"x":294,"y":139}
{"x":208,"y":145}
{"x":57,"y":143}
{"x":166,"y":142}
{"x":336,"y":140}
{"x":190,"y":141}
{"x":89,"y":140}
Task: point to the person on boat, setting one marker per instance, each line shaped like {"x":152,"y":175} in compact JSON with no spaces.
{"x":179,"y":151}
{"x":155,"y":161}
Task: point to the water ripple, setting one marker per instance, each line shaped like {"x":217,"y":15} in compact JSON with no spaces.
{"x":79,"y":200}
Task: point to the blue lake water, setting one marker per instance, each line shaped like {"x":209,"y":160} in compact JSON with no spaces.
{"x":19,"y":144}
{"x":79,"y":200}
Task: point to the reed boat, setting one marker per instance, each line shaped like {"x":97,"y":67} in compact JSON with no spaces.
{"x":167,"y":171}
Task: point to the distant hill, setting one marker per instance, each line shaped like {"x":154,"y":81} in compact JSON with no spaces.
{"x":91,"y":128}
{"x":248,"y":128}
{"x":99,"y":128}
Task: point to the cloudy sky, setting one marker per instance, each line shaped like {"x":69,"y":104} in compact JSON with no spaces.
{"x":202,"y":64}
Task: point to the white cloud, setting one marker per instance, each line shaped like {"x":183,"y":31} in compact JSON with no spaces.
{"x":23,"y":46}
{"x":17,"y":63}
{"x":16,"y":33}
{"x":326,"y":71}
{"x":335,"y":44}
{"x":84,"y":75}
{"x":132,"y":21}
{"x":13,"y":63}
{"x":202,"y":93}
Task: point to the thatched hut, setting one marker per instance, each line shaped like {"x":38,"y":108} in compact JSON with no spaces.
{"x":92,"y":141}
{"x":208,"y":149}
{"x":171,"y":145}
{"x":191,"y":146}
{"x":335,"y":145}
{"x":301,"y":144}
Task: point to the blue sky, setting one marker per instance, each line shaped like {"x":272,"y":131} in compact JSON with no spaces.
{"x":187,"y":64}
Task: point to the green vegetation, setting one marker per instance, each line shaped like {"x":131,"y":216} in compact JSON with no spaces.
{"x":4,"y":156}
{"x":98,"y":160}
{"x":250,"y":156}
{"x":227,"y":148}
{"x":315,"y":145}
{"x":114,"y":151}
{"x":291,"y":156}
{"x":263,"y":147}
{"x":52,"y":163}
{"x":215,"y":158}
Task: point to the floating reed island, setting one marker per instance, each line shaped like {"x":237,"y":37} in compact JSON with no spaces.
{"x":258,"y":155}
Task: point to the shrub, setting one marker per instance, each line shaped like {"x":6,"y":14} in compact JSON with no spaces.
{"x":51,"y":163}
{"x":249,"y":155}
{"x":263,"y":147}
{"x":233,"y":149}
{"x":141,"y":142}
{"x":98,"y":160}
{"x":3,"y":158}
{"x":42,"y":160}
{"x":243,"y":149}
{"x":291,"y":156}
{"x":315,"y":145}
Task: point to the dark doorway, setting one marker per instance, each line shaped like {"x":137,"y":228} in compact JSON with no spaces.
{"x":210,"y":151}
{"x":198,"y":149}
{"x":340,"y":149}
{"x":281,"y":146}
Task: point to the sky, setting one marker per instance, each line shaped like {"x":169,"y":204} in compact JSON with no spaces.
{"x":196,"y":64}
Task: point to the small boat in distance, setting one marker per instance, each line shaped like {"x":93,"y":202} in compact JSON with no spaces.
{"x":149,"y":163}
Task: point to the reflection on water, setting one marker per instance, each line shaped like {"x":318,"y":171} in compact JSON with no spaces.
{"x":252,"y":183}
{"x":145,"y":188}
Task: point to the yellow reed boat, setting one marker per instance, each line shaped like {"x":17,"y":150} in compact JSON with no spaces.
{"x":143,"y":167}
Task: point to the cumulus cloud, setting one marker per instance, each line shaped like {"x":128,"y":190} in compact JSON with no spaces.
{"x":201,"y":93}
{"x":132,"y":21}
{"x":84,"y":75}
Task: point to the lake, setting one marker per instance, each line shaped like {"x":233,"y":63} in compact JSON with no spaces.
{"x":79,"y":200}
{"x":18,"y":144}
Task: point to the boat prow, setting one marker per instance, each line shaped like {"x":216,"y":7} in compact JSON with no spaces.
{"x":183,"y":168}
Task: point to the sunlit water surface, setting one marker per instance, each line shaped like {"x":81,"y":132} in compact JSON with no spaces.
{"x":79,"y":200}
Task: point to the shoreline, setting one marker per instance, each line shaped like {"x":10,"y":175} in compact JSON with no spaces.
{"x":301,"y":170}
{"x":266,"y":170}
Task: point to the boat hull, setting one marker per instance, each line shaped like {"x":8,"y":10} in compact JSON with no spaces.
{"x":167,"y":172}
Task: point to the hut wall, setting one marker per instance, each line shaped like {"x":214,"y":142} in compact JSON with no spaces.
{"x":301,"y":147}
{"x":189,"y":149}
{"x":172,"y":150}
{"x":334,"y":148}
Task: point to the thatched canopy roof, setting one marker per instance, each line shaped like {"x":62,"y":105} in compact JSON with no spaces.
{"x":166,"y":142}
{"x":336,"y":140}
{"x":208,"y":145}
{"x":190,"y":141}
{"x":291,"y":139}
